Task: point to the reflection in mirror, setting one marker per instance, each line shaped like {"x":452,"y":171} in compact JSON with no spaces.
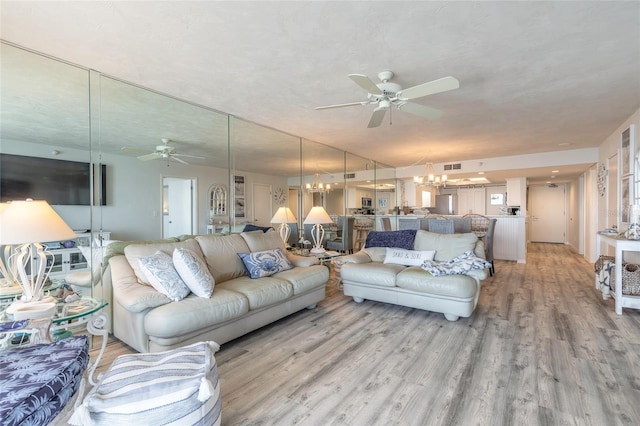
{"x":45,"y":116}
{"x":217,"y":201}
{"x":266,"y":163}
{"x":146,"y":137}
{"x":386,"y":200}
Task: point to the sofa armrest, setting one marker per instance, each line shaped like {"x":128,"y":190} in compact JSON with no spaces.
{"x":479,"y":274}
{"x":128,"y":292}
{"x":359,"y":257}
{"x":303,"y":261}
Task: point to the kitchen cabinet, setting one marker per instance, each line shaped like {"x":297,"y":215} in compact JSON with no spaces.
{"x":517,"y":192}
{"x":471,"y":200}
{"x":355,"y":195}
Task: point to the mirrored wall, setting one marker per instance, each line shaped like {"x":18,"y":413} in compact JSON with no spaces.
{"x":161,"y":167}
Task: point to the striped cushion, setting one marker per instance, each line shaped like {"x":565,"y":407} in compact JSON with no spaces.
{"x":176,"y":387}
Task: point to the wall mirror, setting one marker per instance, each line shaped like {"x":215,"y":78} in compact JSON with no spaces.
{"x":217,"y":201}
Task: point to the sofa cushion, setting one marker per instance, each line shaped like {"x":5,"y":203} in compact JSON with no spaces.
{"x":371,"y":273}
{"x":133,"y":252}
{"x":447,"y":246}
{"x":408,"y":257}
{"x":305,"y":279}
{"x":265,"y":263}
{"x":261,"y":241}
{"x":417,"y":279}
{"x":160,"y":272}
{"x":38,"y":380}
{"x":221,"y":254}
{"x":193,"y":271}
{"x":402,"y":239}
{"x":195,"y":313}
{"x":179,"y":386}
{"x":376,"y":254}
{"x":260,"y":293}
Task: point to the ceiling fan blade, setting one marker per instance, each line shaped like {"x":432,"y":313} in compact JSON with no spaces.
{"x":377,"y":117}
{"x":342,"y":105}
{"x":135,"y":150}
{"x":366,"y":83}
{"x":420,"y":110}
{"x":436,"y":86}
{"x":152,"y":156}
{"x":187,"y":155}
{"x":179,"y":160}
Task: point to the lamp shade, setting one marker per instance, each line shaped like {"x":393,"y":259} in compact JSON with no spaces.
{"x":32,"y":222}
{"x":317,"y":215}
{"x":284,"y":215}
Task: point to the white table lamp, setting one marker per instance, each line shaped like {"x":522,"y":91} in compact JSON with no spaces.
{"x":27,"y":224}
{"x":317,"y":216}
{"x":284,"y":216}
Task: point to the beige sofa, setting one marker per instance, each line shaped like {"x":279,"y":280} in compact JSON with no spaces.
{"x":149,"y":321}
{"x":365,"y":276}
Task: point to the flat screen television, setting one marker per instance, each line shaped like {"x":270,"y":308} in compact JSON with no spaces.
{"x":59,"y":182}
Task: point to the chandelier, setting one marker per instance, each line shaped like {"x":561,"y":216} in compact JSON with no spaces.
{"x":318,"y":186}
{"x":430,"y":178}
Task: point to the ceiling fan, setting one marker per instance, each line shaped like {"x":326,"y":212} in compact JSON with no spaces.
{"x":162,"y":151}
{"x":387,"y":94}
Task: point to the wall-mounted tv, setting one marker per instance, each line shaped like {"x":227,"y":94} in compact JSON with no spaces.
{"x":59,"y":182}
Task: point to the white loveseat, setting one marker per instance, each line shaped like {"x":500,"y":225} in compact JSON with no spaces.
{"x":149,"y":321}
{"x":365,"y":276}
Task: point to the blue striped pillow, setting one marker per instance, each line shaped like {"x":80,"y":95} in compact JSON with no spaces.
{"x":180,"y":385}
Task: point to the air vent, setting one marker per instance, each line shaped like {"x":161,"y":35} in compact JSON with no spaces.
{"x":349,"y":175}
{"x":456,"y":166}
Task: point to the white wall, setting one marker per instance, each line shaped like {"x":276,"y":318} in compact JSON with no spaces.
{"x":134,"y":191}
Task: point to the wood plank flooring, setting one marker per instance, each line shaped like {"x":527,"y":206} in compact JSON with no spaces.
{"x":542,"y":348}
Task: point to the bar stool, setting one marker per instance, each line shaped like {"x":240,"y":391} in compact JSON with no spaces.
{"x":361,"y":230}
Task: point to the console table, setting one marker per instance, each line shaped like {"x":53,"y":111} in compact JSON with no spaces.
{"x":620,"y":246}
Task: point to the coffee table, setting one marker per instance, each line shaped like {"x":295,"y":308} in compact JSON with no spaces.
{"x":80,"y":315}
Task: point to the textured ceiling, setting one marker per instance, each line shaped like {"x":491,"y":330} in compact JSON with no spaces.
{"x":534,"y":76}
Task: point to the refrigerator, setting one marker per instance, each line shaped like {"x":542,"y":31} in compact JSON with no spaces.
{"x":445,"y":204}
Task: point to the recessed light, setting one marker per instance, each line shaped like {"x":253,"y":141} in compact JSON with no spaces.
{"x":555,"y":171}
{"x":552,"y":177}
{"x":480,"y":173}
{"x":564,"y":144}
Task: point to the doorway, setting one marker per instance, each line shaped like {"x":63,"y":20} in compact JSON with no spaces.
{"x":547,"y":213}
{"x":178,"y":206}
{"x":262,"y":204}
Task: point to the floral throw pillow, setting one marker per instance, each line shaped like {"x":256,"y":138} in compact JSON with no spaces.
{"x":458,"y":265}
{"x":265,"y":263}
{"x":159,"y":270}
{"x":194,"y":272}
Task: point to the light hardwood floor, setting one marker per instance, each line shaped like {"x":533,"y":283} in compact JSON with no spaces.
{"x":542,"y":348}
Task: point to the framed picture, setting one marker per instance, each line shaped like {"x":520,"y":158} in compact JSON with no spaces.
{"x":625,"y":198}
{"x":238,"y":208}
{"x":627,"y":152}
{"x":382,"y":202}
{"x":238,"y":186}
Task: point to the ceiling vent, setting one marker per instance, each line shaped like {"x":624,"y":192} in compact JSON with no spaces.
{"x":349,"y":175}
{"x":456,"y":166}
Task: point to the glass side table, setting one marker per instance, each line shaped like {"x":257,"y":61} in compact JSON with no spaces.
{"x":80,"y":315}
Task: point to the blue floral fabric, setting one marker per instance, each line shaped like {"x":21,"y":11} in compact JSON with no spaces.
{"x":456,"y":266}
{"x":265,"y":263}
{"x":401,"y":239}
{"x":37,"y":381}
{"x":251,"y":227}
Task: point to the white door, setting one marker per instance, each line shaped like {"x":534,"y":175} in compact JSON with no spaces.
{"x":177,"y":207}
{"x":547,"y":214}
{"x":262,"y":208}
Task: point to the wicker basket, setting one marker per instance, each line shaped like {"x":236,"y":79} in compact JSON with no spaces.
{"x":630,"y":279}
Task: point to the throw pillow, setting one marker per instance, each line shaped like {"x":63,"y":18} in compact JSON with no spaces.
{"x":456,"y":266}
{"x":249,"y":227}
{"x":179,"y":386}
{"x":159,"y":271}
{"x":408,"y":257}
{"x":194,"y":272}
{"x":265,"y":263}
{"x":401,"y":239}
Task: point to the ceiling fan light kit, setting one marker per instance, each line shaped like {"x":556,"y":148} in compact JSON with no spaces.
{"x":386,"y":94}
